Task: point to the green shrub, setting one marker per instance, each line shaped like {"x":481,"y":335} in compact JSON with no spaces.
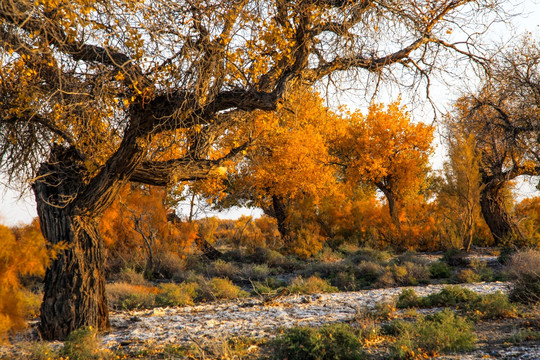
{"x":311,"y":285}
{"x":176,"y":295}
{"x":438,"y":333}
{"x":524,"y":266}
{"x":345,"y":281}
{"x":524,"y":336}
{"x":83,"y":344}
{"x":489,"y":306}
{"x":440,"y":270}
{"x":408,"y":299}
{"x":493,"y":306}
{"x":331,"y":342}
{"x":450,"y":296}
{"x":368,"y":272}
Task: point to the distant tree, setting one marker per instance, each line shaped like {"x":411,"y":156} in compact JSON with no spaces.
{"x":96,"y":94}
{"x":386,"y":150}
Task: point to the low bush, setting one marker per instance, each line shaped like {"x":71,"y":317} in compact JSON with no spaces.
{"x":524,"y":267}
{"x":450,"y":296}
{"x":442,"y":332}
{"x":489,"y":306}
{"x":219,"y":288}
{"x":456,"y":257}
{"x":223,"y":269}
{"x":370,"y":255}
{"x":124,"y":296}
{"x":440,"y":270}
{"x":408,"y":299}
{"x":368,"y":273}
{"x":254,"y":272}
{"x":84,"y":344}
{"x":176,"y":295}
{"x":493,"y":306}
{"x":336,"y":341}
{"x":468,"y":276}
{"x":345,"y":281}
{"x":410,"y":273}
{"x":130,"y":276}
{"x":311,"y":285}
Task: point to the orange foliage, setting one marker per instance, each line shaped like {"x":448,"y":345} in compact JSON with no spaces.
{"x":386,"y":148}
{"x":23,"y":252}
{"x":135,"y":228}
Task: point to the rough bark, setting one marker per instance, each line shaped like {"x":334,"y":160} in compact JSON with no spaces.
{"x":500,"y":222}
{"x":74,"y":293}
{"x":280,"y":214}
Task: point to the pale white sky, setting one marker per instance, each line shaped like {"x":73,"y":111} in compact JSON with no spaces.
{"x":15,"y":209}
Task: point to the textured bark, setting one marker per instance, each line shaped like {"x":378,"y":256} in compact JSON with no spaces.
{"x":280,"y":213}
{"x":74,"y":293}
{"x":500,"y":222}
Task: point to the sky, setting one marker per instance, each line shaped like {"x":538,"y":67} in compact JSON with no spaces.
{"x":17,"y":208}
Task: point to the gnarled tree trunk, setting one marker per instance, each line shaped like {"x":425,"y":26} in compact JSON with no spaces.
{"x":500,"y":222}
{"x":74,"y":293}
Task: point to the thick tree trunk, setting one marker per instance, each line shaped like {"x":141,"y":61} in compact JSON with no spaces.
{"x":280,"y":213}
{"x":74,"y":293}
{"x":500,"y":222}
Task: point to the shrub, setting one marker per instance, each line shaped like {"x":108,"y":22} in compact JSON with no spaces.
{"x":407,"y":299}
{"x":223,"y":269}
{"x":336,"y":341}
{"x":124,"y":296}
{"x":370,"y":255}
{"x":440,"y":270}
{"x":450,"y":296}
{"x":493,"y":306}
{"x":83,"y":344}
{"x":176,"y":295}
{"x":311,"y":285}
{"x":524,"y":266}
{"x":345,"y":281}
{"x":368,"y":272}
{"x":170,"y":264}
{"x":456,"y":257}
{"x":130,"y":276}
{"x":468,"y":276}
{"x":441,"y":332}
{"x":410,"y":273}
{"x":220,"y":288}
{"x":254,"y":272}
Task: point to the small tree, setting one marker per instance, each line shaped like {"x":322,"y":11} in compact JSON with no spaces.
{"x":385,"y":149}
{"x":459,"y":194}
